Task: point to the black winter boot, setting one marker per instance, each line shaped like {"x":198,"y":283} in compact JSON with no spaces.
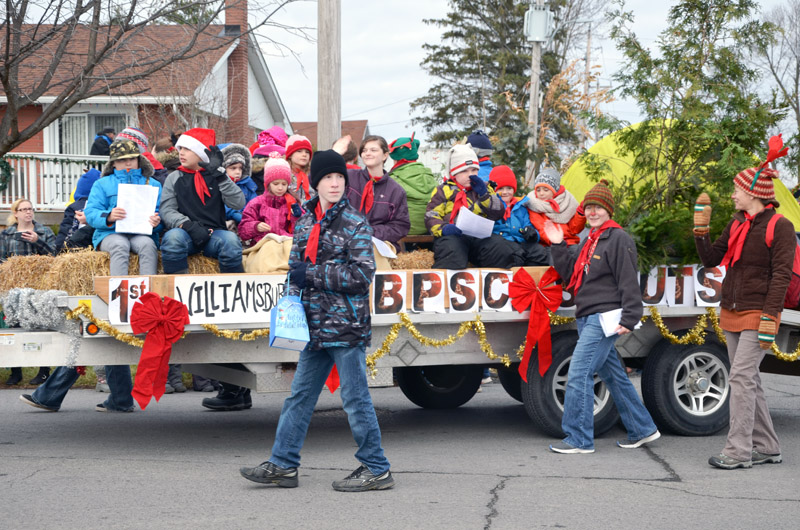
{"x":41,"y":377}
{"x":15,"y":377}
{"x":230,"y":397}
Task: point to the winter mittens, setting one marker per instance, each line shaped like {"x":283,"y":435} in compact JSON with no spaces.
{"x":702,"y":214}
{"x":766,"y":331}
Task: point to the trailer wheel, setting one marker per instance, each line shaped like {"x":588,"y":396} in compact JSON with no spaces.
{"x":685,"y":388}
{"x":544,"y":396}
{"x":511,"y":380}
{"x":440,"y":387}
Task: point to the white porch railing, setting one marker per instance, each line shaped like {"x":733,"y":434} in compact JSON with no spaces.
{"x":44,"y":179}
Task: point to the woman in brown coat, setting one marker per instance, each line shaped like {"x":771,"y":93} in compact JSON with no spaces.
{"x":756,"y":279}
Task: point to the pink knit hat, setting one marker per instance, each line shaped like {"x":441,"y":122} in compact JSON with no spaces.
{"x":276,"y":168}
{"x":267,"y":150}
{"x":297,"y":142}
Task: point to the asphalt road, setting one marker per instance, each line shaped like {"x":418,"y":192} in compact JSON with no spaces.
{"x":480,"y":466}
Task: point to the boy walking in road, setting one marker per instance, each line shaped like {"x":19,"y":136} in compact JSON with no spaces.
{"x":331,"y":267}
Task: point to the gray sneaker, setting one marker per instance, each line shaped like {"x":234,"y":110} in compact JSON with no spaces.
{"x":566,"y":449}
{"x":726,"y":462}
{"x":362,"y":479}
{"x":269,"y":473}
{"x":765,"y":458}
{"x":169,"y":389}
{"x":633,"y":444}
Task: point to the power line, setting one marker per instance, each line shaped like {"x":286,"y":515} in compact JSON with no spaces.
{"x":382,"y":106}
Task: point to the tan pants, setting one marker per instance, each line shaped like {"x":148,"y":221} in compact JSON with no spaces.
{"x":751,"y":425}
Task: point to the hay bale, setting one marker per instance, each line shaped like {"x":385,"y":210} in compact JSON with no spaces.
{"x":200,"y":264}
{"x":24,"y":271}
{"x":416,"y":259}
{"x":72,"y":270}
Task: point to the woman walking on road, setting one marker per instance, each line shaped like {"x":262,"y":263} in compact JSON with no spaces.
{"x":758,"y":272}
{"x":604,"y":279}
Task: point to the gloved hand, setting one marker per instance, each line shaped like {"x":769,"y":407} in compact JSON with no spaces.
{"x":199,"y":234}
{"x":492,"y":183}
{"x":296,"y":210}
{"x":766,"y":331}
{"x":213,"y":167}
{"x":451,"y":230}
{"x":702,"y":214}
{"x":478,"y":186}
{"x":530,"y":234}
{"x":297,"y":274}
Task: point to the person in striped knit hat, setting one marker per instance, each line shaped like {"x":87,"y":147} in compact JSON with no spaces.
{"x":756,"y":279}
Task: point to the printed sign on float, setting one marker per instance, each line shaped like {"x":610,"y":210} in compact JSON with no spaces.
{"x":229,"y":299}
{"x":122,"y":294}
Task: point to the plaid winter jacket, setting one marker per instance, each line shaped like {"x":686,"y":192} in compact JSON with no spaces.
{"x":336,"y":295}
{"x":11,"y":245}
{"x":441,"y":206}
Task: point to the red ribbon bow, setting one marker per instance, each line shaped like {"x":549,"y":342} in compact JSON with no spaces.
{"x":526,"y":293}
{"x":163,"y":321}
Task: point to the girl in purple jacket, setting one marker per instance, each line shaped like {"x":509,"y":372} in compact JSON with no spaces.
{"x":276,"y":210}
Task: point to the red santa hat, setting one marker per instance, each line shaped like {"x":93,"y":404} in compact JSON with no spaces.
{"x":197,"y":141}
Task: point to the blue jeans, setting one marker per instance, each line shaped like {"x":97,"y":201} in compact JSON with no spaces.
{"x":595,"y":353}
{"x":312,"y":371}
{"x":177,"y":245}
{"x":52,"y":392}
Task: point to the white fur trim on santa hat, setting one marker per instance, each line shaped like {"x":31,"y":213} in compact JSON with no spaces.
{"x":194,"y":145}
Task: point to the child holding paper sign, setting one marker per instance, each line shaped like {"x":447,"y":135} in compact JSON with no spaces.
{"x":453,"y":249}
{"x":604,"y":276}
{"x":126,"y":165}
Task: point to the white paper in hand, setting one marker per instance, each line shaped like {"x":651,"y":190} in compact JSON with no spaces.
{"x":139,"y":202}
{"x":610,"y":321}
{"x":473,"y":225}
{"x":383,"y":248}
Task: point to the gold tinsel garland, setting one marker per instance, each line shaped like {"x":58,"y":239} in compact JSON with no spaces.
{"x":696,"y":335}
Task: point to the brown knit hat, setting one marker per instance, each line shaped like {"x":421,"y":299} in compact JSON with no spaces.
{"x":757,"y":182}
{"x":600,"y":195}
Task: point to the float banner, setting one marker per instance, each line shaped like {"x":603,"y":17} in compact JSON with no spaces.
{"x":428,"y":292}
{"x":229,"y":299}
{"x":464,"y":289}
{"x":123,"y":292}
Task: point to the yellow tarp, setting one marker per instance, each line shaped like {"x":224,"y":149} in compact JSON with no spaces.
{"x":578,"y":182}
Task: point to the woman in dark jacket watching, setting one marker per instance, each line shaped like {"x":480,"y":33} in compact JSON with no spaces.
{"x":604,"y":277}
{"x":26,"y":237}
{"x":757,"y":276}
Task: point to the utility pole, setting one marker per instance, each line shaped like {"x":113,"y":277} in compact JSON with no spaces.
{"x":587,"y":73}
{"x":537,"y":28}
{"x":329,"y":73}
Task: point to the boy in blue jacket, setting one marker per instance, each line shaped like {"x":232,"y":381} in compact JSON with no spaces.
{"x":125,"y":165}
{"x":516,"y":226}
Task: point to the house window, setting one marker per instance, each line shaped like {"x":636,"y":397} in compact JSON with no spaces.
{"x":98,"y":122}
{"x":76,"y":132}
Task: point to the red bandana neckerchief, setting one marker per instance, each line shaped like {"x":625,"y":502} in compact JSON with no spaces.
{"x":507,"y":214}
{"x":290,"y":200}
{"x":200,"y":185}
{"x":402,"y":162}
{"x":368,"y":195}
{"x":736,"y":240}
{"x":459,"y":201}
{"x":484,"y":159}
{"x":585,"y":256}
{"x":302,"y":182}
{"x":313,"y":238}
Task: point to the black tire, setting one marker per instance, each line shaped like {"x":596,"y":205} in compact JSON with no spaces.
{"x":511,"y":380}
{"x":440,"y":387}
{"x":685,"y":388}
{"x":544,"y":396}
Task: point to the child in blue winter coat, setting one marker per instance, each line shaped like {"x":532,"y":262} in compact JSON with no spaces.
{"x":237,"y":164}
{"x":126,"y":165}
{"x":516,"y":226}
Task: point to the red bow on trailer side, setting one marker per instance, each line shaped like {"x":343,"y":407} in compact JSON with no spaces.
{"x":546,"y":295}
{"x":163,"y":321}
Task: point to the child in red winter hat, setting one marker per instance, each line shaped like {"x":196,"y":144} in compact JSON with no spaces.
{"x":298,"y":154}
{"x":515,"y":226}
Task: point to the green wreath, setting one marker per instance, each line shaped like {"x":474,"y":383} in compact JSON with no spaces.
{"x":6,"y":171}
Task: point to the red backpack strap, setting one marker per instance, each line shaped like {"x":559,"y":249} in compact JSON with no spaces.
{"x":771,"y":229}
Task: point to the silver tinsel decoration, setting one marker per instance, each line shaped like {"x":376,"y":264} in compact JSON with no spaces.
{"x":34,"y":309}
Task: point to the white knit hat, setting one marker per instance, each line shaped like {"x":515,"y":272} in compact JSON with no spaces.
{"x":461,"y":158}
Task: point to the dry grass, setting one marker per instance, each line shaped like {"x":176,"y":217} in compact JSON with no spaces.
{"x":72,"y":271}
{"x":416,"y":259}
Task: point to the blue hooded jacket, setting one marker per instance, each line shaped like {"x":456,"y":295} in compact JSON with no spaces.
{"x":85,"y":183}
{"x":510,"y":227}
{"x":248,"y":187}
{"x":103,"y":198}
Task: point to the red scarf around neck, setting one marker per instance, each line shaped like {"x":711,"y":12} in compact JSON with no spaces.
{"x":585,"y":256}
{"x":313,"y":238}
{"x":459,"y":201}
{"x":290,"y":200}
{"x":200,"y":185}
{"x":368,"y":195}
{"x":302,"y":182}
{"x":507,"y":214}
{"x":402,"y":162}
{"x":736,"y":240}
